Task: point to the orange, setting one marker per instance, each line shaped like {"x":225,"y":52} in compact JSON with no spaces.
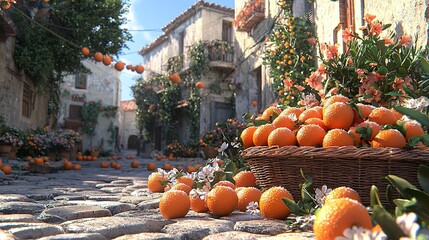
{"x":98,"y":56}
{"x":190,"y":169}
{"x":222,"y":200}
{"x":365,"y":111}
{"x":254,"y":103}
{"x":337,"y":138}
{"x":104,"y":164}
{"x":272,"y":205}
{"x":377,"y":228}
{"x":343,"y":192}
{"x":77,"y":167}
{"x":247,"y":195}
{"x":247,"y":136}
{"x":135,"y":164}
{"x":153,"y":182}
{"x":174,"y":204}
{"x":117,"y":166}
{"x":67,"y":165}
{"x":270,"y":112}
{"x":85,"y":51}
{"x":373,"y":125}
{"x":290,"y":111}
{"x":198,"y":205}
{"x":107,"y":60}
{"x":119,"y":66}
{"x":281,"y":137}
{"x":245,"y":179}
{"x":260,"y":136}
{"x":186,"y":180}
{"x":175,"y":78}
{"x":225,"y":183}
{"x":389,"y":138}
{"x":284,"y":121}
{"x":39,"y":161}
{"x":182,"y":187}
{"x":334,"y":99}
{"x":6,"y":169}
{"x":139,"y":69}
{"x":338,"y":115}
{"x":382,"y":116}
{"x":310,"y":135}
{"x":412,"y":128}
{"x":337,"y":215}
{"x":316,"y":121}
{"x":397,"y":114}
{"x":355,"y":135}
{"x":151,"y":166}
{"x":199,"y":85}
{"x":309,"y":113}
{"x":167,"y":167}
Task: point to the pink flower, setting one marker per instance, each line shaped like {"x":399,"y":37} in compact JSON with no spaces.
{"x":376,"y":28}
{"x":311,"y":41}
{"x":388,"y":41}
{"x":399,"y":83}
{"x":299,"y":87}
{"x":322,"y":68}
{"x":348,"y":34}
{"x":375,"y":93}
{"x":288,"y":83}
{"x":405,"y":40}
{"x":360,"y":72}
{"x":369,"y":17}
{"x":315,"y":81}
{"x":331,"y":51}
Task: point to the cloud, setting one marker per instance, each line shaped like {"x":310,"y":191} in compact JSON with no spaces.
{"x":133,"y":24}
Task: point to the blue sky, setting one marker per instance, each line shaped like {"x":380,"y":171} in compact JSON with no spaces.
{"x":150,"y":15}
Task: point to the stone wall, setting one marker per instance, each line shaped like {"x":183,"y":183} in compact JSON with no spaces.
{"x":128,"y":126}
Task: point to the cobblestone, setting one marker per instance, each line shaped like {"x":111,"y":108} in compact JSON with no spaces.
{"x":99,"y":204}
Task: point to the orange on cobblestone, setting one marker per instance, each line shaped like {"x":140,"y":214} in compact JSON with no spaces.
{"x":260,"y":136}
{"x":245,"y":179}
{"x":222,"y":200}
{"x":6,"y":169}
{"x":186,"y":180}
{"x":338,"y":115}
{"x":337,"y":137}
{"x":316,"y":121}
{"x":290,"y":111}
{"x":104,"y":164}
{"x":382,"y":116}
{"x":153,"y":182}
{"x":334,"y":99}
{"x":151,"y":166}
{"x":272,"y":205}
{"x":412,"y":128}
{"x":343,"y":192}
{"x":281,"y":137}
{"x":375,"y":128}
{"x":247,"y":136}
{"x":246,"y":195}
{"x":77,"y":167}
{"x":225,"y":183}
{"x":190,"y":169}
{"x":67,"y":165}
{"x":337,"y":215}
{"x":198,"y":205}
{"x":270,"y":112}
{"x":389,"y":138}
{"x":284,"y":121}
{"x":174,"y":204}
{"x":167,"y":167}
{"x":309,"y":113}
{"x":182,"y":187}
{"x":117,"y":166}
{"x":38,"y":160}
{"x":135,"y":164}
{"x":310,"y":135}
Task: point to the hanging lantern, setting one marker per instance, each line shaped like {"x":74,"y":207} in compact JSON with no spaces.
{"x":85,"y":51}
{"x":119,"y":66}
{"x":107,"y":60}
{"x":139,"y":69}
{"x":98,"y":56}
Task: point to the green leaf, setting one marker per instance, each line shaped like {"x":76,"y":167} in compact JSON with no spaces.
{"x":374,"y":197}
{"x":260,"y":122}
{"x":416,"y":115}
{"x":382,"y":70}
{"x":365,"y":133}
{"x":401,"y":185}
{"x":386,"y":26}
{"x":293,"y":207}
{"x":424,"y":64}
{"x":387,"y":222}
{"x":401,"y":206}
{"x":414,"y":140}
{"x":423,"y":176}
{"x":247,"y":116}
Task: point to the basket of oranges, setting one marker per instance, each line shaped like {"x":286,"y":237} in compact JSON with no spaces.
{"x":337,"y":144}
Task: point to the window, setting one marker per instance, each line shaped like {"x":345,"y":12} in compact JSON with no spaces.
{"x":80,"y":80}
{"x":227,"y":31}
{"x":181,"y":42}
{"x":27,"y":95}
{"x":75,"y":112}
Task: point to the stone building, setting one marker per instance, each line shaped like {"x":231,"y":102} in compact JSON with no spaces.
{"x":210,"y":23}
{"x":101,"y":84}
{"x":128,"y":131}
{"x":20,"y":106}
{"x":330,"y":18}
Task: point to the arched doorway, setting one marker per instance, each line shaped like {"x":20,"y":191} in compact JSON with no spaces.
{"x":132,"y":142}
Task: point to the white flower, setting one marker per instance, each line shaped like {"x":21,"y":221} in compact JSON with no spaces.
{"x":359,"y":233}
{"x":206,"y":173}
{"x":417,"y":104}
{"x":408,"y":225}
{"x":162,"y":172}
{"x":304,"y":222}
{"x":321,"y":194}
{"x":252,"y":208}
{"x":292,"y":116}
{"x":222,"y":149}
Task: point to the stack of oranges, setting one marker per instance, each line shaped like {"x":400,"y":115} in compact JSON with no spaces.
{"x":336,"y":123}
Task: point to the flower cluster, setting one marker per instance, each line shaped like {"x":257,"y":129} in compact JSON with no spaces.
{"x":226,"y":131}
{"x":250,"y":8}
{"x":64,"y":139}
{"x":376,"y":68}
{"x":180,"y":150}
{"x":12,"y":137}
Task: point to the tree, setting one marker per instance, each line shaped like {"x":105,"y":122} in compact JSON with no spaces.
{"x":48,"y":46}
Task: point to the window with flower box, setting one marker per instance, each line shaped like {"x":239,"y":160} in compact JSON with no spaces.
{"x":252,"y":13}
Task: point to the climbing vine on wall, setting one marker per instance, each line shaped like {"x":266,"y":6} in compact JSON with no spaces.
{"x":289,"y":54}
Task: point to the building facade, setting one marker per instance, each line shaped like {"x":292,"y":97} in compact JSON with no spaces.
{"x":202,"y":22}
{"x":128,"y":131}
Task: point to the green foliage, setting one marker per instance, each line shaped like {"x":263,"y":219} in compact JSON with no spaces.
{"x":48,"y":47}
{"x":90,"y":111}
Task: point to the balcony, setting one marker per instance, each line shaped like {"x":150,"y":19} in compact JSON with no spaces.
{"x":221,"y":55}
{"x":252,"y":13}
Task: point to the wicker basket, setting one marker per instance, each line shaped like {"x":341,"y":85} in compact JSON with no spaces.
{"x":358,"y":168}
